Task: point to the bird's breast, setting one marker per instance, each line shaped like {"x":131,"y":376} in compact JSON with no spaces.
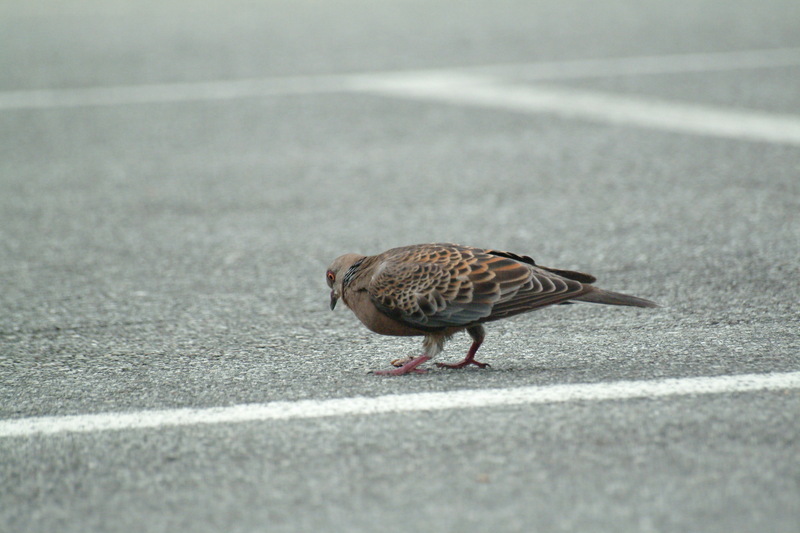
{"x":360,"y":303}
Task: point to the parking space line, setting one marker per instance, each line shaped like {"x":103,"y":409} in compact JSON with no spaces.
{"x":171,"y":92}
{"x":299,"y":85}
{"x":595,"y":106}
{"x":643,"y":65}
{"x":399,"y":403}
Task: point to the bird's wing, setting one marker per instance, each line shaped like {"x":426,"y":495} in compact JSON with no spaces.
{"x":436,"y":286}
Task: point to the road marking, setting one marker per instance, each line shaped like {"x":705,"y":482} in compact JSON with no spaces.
{"x":642,"y":65}
{"x":399,"y":403}
{"x":298,"y":85}
{"x":171,"y":92}
{"x":590,"y":105}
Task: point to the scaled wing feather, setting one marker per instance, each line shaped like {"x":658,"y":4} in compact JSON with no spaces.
{"x":432,"y":287}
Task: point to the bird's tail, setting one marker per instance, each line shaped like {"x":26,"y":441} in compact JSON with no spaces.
{"x":600,"y":296}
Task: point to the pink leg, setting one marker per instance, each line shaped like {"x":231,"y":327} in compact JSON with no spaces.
{"x":407,"y":368}
{"x":469,"y":359}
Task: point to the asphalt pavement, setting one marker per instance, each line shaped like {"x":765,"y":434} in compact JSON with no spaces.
{"x":176,"y":176}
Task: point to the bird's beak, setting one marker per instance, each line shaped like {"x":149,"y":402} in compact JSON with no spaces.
{"x":334,"y":299}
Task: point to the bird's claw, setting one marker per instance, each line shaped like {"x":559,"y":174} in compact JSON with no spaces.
{"x":408,"y":366}
{"x":399,"y":372}
{"x":462,"y":364}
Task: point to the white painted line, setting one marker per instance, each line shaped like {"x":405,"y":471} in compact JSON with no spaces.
{"x":591,"y":105}
{"x":171,"y":92}
{"x":431,"y":401}
{"x":264,"y":87}
{"x":642,"y":65}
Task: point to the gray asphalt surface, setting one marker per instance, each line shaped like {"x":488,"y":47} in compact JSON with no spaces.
{"x":173,"y":255}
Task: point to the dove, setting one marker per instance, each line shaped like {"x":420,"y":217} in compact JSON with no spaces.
{"x":437,"y":290}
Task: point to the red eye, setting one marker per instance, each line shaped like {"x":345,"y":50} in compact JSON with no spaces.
{"x":331,"y":276}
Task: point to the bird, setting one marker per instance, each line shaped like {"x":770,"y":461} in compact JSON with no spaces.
{"x":439,"y":289}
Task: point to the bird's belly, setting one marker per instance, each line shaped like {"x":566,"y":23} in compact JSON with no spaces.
{"x":376,"y":321}
{"x":380,"y":323}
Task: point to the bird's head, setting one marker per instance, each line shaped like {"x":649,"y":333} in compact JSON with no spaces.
{"x":337,"y":273}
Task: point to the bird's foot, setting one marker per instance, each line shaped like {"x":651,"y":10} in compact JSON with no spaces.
{"x":406,"y":367}
{"x":462,"y":364}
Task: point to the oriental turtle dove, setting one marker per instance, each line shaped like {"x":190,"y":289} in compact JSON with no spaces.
{"x":436,"y":290}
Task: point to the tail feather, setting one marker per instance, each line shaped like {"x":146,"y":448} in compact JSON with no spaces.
{"x":600,"y":296}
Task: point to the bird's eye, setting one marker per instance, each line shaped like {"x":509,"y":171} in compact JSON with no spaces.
{"x":331,"y":276}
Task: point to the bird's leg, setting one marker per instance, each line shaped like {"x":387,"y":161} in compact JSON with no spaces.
{"x":406,"y":368}
{"x":432,"y":344}
{"x":468,"y":360}
{"x":478,"y":334}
